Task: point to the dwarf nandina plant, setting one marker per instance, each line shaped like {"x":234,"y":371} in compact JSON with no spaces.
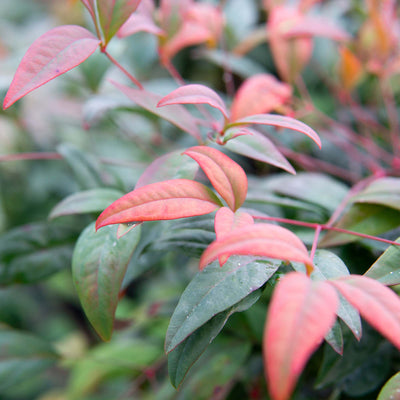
{"x":257,"y":237}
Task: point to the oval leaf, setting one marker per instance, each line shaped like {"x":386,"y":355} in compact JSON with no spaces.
{"x":113,"y":14}
{"x":300,"y":314}
{"x":281,"y":122}
{"x":213,"y":291}
{"x":379,"y":305}
{"x":227,"y":177}
{"x":176,"y":198}
{"x":98,"y":267}
{"x":265,"y":240}
{"x":194,"y":94}
{"x":226,"y":221}
{"x":54,"y":53}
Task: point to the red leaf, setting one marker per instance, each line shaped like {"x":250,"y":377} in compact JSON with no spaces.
{"x":379,"y":305}
{"x":176,"y":198}
{"x":227,"y":221}
{"x":279,"y":121}
{"x":53,"y":54}
{"x":176,"y":114}
{"x":194,"y":94}
{"x":113,"y":13}
{"x":227,"y":177}
{"x":300,"y":314}
{"x":265,"y":240}
{"x":259,"y":94}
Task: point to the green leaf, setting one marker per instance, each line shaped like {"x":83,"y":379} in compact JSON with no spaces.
{"x":335,"y":338}
{"x":94,"y":200}
{"x":182,"y":358}
{"x":214,"y":290}
{"x":384,"y":191}
{"x":22,"y":356}
{"x":367,"y":219}
{"x":33,"y":252}
{"x":386,"y":268}
{"x":391,"y":389}
{"x":98,"y":266}
{"x":85,"y":168}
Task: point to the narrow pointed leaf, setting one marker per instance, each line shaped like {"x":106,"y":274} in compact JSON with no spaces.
{"x":227,"y":177}
{"x":113,"y":14}
{"x":98,"y":267}
{"x":139,"y":23}
{"x":176,"y":198}
{"x":88,"y":201}
{"x":214,"y":290}
{"x":255,"y":145}
{"x":379,"y":305}
{"x":54,"y":53}
{"x":175,"y":114}
{"x":279,"y":121}
{"x":391,"y":389}
{"x":194,"y":94}
{"x":91,"y":7}
{"x":265,"y":240}
{"x":386,"y":268}
{"x":300,"y":314}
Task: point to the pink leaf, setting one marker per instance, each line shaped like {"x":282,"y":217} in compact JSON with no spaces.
{"x":194,"y":94}
{"x":113,"y":14}
{"x":259,"y":94}
{"x":227,"y":221}
{"x":90,"y":5}
{"x":265,"y":240}
{"x":176,"y":198}
{"x":227,"y":177}
{"x":176,"y":114}
{"x":300,"y":314}
{"x":279,"y":121}
{"x":379,"y":305}
{"x":53,"y":54}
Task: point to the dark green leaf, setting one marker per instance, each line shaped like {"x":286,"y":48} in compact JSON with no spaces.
{"x":22,"y":356}
{"x":214,"y":290}
{"x":94,"y":200}
{"x":335,"y":338}
{"x":386,"y":268}
{"x":33,"y":252}
{"x":181,"y":359}
{"x":98,"y":266}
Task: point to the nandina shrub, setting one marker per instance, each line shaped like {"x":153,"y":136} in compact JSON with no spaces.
{"x":274,"y":174}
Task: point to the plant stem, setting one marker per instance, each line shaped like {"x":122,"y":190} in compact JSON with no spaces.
{"x":315,"y":241}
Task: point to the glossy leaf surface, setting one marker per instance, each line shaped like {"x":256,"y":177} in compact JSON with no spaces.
{"x":281,"y":122}
{"x":181,"y":359}
{"x":194,"y":94}
{"x":300,"y":314}
{"x":265,"y":240}
{"x":175,"y":198}
{"x":113,"y":13}
{"x":88,"y":201}
{"x":98,"y":267}
{"x":214,"y":290}
{"x":227,"y":177}
{"x":54,"y":53}
{"x":175,"y":114}
{"x":379,"y":305}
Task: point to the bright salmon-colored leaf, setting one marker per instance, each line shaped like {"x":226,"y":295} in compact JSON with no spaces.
{"x":54,"y":53}
{"x":227,"y":177}
{"x":113,"y":14}
{"x":176,"y":198}
{"x":259,"y":94}
{"x":194,"y":94}
{"x":176,"y":114}
{"x":264,"y":240}
{"x":281,"y":122}
{"x":226,"y":221}
{"x":300,"y":314}
{"x":350,"y":69}
{"x":378,"y":304}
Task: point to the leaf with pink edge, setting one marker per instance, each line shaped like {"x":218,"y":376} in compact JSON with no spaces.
{"x":227,"y":177}
{"x":226,"y":221}
{"x":52,"y":54}
{"x":300,"y":314}
{"x":176,"y":198}
{"x":194,"y":94}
